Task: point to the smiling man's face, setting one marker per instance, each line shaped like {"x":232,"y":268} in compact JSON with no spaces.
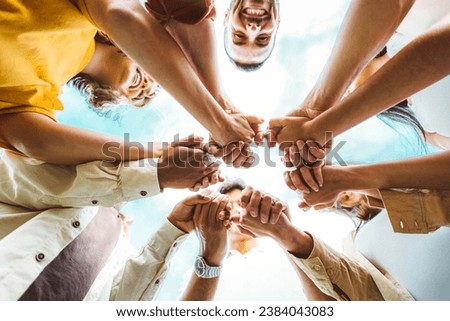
{"x":250,"y":32}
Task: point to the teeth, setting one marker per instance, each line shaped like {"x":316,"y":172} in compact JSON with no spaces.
{"x":255,"y":12}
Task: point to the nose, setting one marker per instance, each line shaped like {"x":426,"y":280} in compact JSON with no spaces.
{"x":253,"y":27}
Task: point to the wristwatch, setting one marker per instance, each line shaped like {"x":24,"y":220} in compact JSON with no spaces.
{"x":205,"y":271}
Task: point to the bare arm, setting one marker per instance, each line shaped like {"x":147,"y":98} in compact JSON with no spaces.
{"x":367,"y":27}
{"x":39,"y":137}
{"x":421,"y":63}
{"x":145,"y":41}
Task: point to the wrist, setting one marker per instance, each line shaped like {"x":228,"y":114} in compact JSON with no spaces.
{"x":178,"y":224}
{"x":362,"y":177}
{"x":213,"y":257}
{"x":297,"y":242}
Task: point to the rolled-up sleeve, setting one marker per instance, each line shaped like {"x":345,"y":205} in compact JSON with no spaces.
{"x":417,"y":211}
{"x":143,"y":275}
{"x":42,"y":185}
{"x":338,"y":275}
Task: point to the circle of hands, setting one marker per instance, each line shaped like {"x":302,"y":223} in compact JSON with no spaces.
{"x":304,"y":153}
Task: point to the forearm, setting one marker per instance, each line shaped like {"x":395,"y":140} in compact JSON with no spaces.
{"x":367,"y":27}
{"x":201,"y":51}
{"x":163,"y":58}
{"x":39,"y":137}
{"x":420,"y":64}
{"x":427,"y":172}
{"x":199,"y":289}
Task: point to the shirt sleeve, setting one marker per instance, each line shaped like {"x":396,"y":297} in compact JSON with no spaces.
{"x":417,"y":211}
{"x":143,"y":275}
{"x":42,"y":185}
{"x":338,"y":275}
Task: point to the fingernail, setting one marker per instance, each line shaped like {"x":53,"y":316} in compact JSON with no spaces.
{"x":316,"y":189}
{"x":306,"y":209}
{"x":306,"y":191}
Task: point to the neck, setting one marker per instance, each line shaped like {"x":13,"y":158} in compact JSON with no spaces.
{"x":243,"y":245}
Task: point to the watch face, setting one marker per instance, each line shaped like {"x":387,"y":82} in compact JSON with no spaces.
{"x":200,"y":266}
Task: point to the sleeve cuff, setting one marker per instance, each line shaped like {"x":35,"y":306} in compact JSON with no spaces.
{"x":139,"y":179}
{"x":416,"y":211}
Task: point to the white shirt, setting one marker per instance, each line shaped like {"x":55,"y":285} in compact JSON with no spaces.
{"x":44,"y":208}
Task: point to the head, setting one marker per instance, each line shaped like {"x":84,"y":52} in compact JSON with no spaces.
{"x":250,"y":29}
{"x":356,"y":205}
{"x":111,"y":78}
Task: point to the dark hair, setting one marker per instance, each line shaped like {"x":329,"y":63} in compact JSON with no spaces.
{"x":243,"y":66}
{"x":229,"y":186}
{"x":401,"y":112}
{"x":98,"y":95}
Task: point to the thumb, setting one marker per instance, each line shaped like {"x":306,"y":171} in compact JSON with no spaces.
{"x":197,"y":199}
{"x":188,"y":141}
{"x":277,"y":122}
{"x":253,"y":119}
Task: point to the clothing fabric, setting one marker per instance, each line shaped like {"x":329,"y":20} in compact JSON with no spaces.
{"x":184,"y":11}
{"x":91,"y":270}
{"x":416,"y":211}
{"x":43,"y":46}
{"x":36,"y":185}
{"x":349,"y":276}
{"x":45,"y":207}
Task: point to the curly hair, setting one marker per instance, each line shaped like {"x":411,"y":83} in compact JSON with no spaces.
{"x":98,"y":95}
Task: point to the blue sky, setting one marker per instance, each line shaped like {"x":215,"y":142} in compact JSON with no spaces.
{"x":307,"y":33}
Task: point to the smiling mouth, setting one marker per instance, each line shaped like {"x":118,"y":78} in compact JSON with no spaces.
{"x":255,"y":13}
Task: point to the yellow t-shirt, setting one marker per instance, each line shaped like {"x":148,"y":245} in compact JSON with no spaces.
{"x":43,"y":45}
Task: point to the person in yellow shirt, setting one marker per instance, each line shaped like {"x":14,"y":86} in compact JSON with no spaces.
{"x":45,"y":46}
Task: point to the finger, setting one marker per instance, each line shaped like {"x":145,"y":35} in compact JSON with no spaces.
{"x":294,"y":155}
{"x":297,"y":181}
{"x":304,"y":206}
{"x":246,"y":195}
{"x":316,"y":150}
{"x":253,"y":119}
{"x":317,"y":169}
{"x":275,"y":213}
{"x":321,"y":207}
{"x":228,"y":149}
{"x":190,"y":141}
{"x":197,"y":199}
{"x":223,"y":206}
{"x":242,"y":157}
{"x":215,"y":205}
{"x":259,"y":138}
{"x":277,"y":122}
{"x":196,"y":187}
{"x":253,"y":205}
{"x":229,"y":158}
{"x":214,"y":178}
{"x":270,"y":138}
{"x":265,"y":207}
{"x":288,"y":181}
{"x":308,"y":178}
{"x":287,"y":158}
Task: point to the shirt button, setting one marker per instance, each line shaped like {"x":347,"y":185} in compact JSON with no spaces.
{"x":316,"y":267}
{"x":143,"y":193}
{"x":94,"y":202}
{"x":175,"y":244}
{"x":76,"y":224}
{"x":40,"y":257}
{"x":157,"y":281}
